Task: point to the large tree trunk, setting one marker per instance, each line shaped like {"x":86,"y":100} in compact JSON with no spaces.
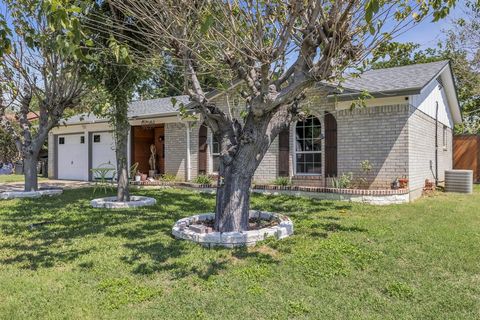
{"x":237,"y":168}
{"x":121,"y":151}
{"x":30,"y":171}
{"x":233,"y":198}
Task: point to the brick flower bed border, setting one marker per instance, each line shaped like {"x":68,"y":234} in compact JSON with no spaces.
{"x":111,"y":202}
{"x":360,"y":192}
{"x":7,"y":195}
{"x":181,"y":230}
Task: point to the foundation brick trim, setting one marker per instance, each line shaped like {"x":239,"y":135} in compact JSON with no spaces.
{"x":364,"y":192}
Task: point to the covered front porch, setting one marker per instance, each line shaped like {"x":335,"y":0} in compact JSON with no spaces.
{"x":148,"y":148}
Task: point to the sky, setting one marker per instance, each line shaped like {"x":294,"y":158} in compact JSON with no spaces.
{"x":428,"y":33}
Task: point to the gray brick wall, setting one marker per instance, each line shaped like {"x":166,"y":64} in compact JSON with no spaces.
{"x":421,"y":129}
{"x":176,"y":149}
{"x":378,"y":134}
{"x":267,"y":171}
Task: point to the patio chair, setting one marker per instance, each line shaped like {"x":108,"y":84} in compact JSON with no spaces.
{"x":104,"y":176}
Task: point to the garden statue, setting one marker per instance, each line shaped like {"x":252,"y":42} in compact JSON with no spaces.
{"x":152,"y":160}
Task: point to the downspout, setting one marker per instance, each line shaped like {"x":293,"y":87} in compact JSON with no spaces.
{"x":436,"y":145}
{"x":189,"y":164}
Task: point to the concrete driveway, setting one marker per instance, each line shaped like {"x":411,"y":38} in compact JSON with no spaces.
{"x":64,"y":184}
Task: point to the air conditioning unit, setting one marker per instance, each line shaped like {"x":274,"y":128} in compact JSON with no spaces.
{"x":459,"y":181}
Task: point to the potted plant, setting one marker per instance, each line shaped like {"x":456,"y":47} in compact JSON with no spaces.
{"x":403,"y":183}
{"x":138,"y":176}
{"x":134,"y":173}
{"x":143,"y":176}
{"x":395,"y":184}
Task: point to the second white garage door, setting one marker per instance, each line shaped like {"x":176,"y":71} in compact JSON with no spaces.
{"x":103,"y":150}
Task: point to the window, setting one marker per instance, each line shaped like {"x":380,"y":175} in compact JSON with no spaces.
{"x":82,"y":139}
{"x":96,"y":138}
{"x":61,"y":140}
{"x":308,"y":146}
{"x":445,"y":137}
{"x":215,"y":154}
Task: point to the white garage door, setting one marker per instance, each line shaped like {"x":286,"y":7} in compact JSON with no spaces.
{"x":103,"y":151}
{"x":72,"y":157}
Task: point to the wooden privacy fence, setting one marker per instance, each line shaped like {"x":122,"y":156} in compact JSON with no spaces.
{"x":466,"y":153}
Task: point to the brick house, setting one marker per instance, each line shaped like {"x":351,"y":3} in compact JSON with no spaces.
{"x":404,"y":131}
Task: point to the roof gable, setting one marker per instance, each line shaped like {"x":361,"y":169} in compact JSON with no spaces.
{"x":411,"y":78}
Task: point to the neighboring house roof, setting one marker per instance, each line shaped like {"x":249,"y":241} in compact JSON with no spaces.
{"x":30,"y":116}
{"x":137,"y":109}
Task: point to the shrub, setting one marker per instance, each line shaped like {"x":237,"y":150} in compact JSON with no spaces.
{"x":282,"y":181}
{"x":203,"y":179}
{"x":344,"y":181}
{"x":168,"y":177}
{"x":133,"y":170}
{"x":366,"y":166}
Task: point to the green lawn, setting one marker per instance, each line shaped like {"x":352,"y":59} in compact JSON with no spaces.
{"x":4,"y":178}
{"x":345,"y":261}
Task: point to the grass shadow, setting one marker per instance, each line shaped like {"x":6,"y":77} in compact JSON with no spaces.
{"x":144,"y":233}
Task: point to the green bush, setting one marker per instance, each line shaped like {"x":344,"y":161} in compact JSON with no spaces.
{"x":282,"y":181}
{"x":168,"y":177}
{"x":344,"y":181}
{"x":203,"y":179}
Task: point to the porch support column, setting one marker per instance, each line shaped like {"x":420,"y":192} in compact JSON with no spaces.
{"x":189,"y":161}
{"x":209,"y":152}
{"x":129,"y":149}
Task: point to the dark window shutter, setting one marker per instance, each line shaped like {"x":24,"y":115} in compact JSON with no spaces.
{"x":330,"y":145}
{"x":202,"y":149}
{"x":283,"y":153}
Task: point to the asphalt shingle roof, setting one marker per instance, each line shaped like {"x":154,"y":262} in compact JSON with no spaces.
{"x":410,"y":77}
{"x":405,"y":78}
{"x":153,"y":107}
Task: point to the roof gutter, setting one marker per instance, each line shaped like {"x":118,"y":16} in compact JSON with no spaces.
{"x":146,"y":116}
{"x":380,"y":94}
{"x":154,"y":115}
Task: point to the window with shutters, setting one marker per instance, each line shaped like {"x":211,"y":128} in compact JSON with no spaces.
{"x":308,"y":146}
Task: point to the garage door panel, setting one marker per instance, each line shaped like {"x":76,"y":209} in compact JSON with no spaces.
{"x":103,"y":151}
{"x":72,"y":158}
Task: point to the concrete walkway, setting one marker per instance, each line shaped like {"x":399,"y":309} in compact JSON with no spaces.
{"x":64,"y":184}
